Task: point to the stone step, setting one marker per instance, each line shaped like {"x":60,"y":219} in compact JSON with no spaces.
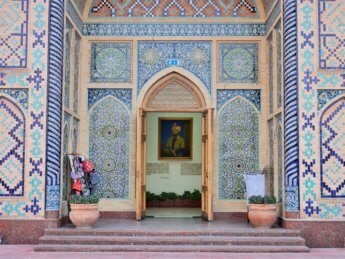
{"x":173,"y":240}
{"x":235,"y":232}
{"x":170,"y":248}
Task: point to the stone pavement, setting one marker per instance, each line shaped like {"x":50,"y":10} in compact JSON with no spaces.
{"x":27,"y":252}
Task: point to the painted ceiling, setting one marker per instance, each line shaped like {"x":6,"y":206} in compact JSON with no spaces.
{"x":174,"y":8}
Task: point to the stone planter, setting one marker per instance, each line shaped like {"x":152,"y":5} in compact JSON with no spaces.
{"x":84,"y":215}
{"x":262,"y":215}
{"x":154,"y":203}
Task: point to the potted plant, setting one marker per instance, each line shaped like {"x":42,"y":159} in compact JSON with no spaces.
{"x":262,"y":211}
{"x":167,"y":199}
{"x":84,"y":210}
{"x":152,"y":199}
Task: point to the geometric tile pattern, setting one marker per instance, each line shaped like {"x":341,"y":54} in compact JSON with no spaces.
{"x":278,"y":32}
{"x":331,"y":34}
{"x":109,"y":127}
{"x":174,"y":29}
{"x":32,"y":204}
{"x":238,"y":63}
{"x":111,"y":62}
{"x":273,"y":15}
{"x":270,"y":71}
{"x":291,"y":119}
{"x":223,"y":96}
{"x":332,"y":132}
{"x":14,"y":16}
{"x":279,"y":122}
{"x":122,"y":94}
{"x":194,"y":56}
{"x":324,"y":96}
{"x":174,"y":8}
{"x":311,"y":79}
{"x":238,"y":147}
{"x":74,"y":16}
{"x":12,"y":141}
{"x":54,"y":106}
{"x":21,"y":95}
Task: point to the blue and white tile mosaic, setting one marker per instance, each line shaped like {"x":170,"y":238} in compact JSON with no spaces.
{"x":238,"y":63}
{"x":324,"y":96}
{"x":123,"y":94}
{"x":74,"y":16}
{"x":109,"y":125}
{"x":238,"y":147}
{"x":194,"y":56}
{"x":111,"y":62}
{"x":21,"y":95}
{"x":223,"y":96}
{"x":173,"y":29}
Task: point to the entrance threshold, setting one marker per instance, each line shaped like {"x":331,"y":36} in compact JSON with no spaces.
{"x":173,"y":213}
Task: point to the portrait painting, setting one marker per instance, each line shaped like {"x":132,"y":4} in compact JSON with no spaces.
{"x":175,"y":138}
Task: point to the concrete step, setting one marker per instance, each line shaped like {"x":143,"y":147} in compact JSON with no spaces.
{"x":173,"y":240}
{"x":170,"y":248}
{"x":235,"y":232}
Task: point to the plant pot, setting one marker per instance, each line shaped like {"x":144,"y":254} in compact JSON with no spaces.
{"x":262,"y":215}
{"x":84,"y":215}
{"x":154,"y":203}
{"x":167,"y":203}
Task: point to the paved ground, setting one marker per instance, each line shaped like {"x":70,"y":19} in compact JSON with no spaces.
{"x":27,"y":252}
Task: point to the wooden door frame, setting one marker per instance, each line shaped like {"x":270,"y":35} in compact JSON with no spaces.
{"x":144,"y":102}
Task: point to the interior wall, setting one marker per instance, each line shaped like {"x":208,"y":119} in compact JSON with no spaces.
{"x":165,"y":175}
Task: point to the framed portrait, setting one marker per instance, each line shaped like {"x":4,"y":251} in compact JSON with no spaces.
{"x":175,"y":138}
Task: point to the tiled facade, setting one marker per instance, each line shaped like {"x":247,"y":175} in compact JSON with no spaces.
{"x":290,"y":119}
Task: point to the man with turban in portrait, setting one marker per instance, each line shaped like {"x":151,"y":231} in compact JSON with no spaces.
{"x":175,"y":144}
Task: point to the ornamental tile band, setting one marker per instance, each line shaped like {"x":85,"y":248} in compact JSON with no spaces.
{"x":173,"y":30}
{"x":21,"y":95}
{"x":174,"y":8}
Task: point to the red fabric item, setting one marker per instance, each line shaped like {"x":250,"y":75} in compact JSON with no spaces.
{"x":77,"y":185}
{"x":87,"y":166}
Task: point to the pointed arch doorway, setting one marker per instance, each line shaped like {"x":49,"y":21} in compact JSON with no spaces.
{"x":174,"y":92}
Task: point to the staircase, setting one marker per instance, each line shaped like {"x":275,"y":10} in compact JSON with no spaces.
{"x":233,"y":241}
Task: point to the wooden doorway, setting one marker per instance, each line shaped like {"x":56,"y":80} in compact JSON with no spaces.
{"x":175,"y":93}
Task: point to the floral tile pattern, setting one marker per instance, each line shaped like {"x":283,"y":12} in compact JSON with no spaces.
{"x":238,"y":63}
{"x":111,"y":62}
{"x":223,"y":96}
{"x":194,"y":56}
{"x":122,"y":94}
{"x":109,"y":147}
{"x":238,"y":148}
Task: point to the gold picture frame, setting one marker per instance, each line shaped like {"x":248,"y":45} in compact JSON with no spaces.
{"x":175,"y":138}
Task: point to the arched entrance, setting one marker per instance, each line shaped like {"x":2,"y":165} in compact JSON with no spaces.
{"x":174,"y":92}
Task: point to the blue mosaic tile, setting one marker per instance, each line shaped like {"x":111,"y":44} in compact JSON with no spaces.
{"x":111,"y":62}
{"x":238,"y":149}
{"x":109,"y":147}
{"x":14,"y":33}
{"x":194,"y":56}
{"x":223,"y":96}
{"x":324,"y":96}
{"x":331,"y":34}
{"x":74,"y":16}
{"x":273,"y":16}
{"x":174,"y":29}
{"x":123,"y":94}
{"x":238,"y":63}
{"x":21,"y":95}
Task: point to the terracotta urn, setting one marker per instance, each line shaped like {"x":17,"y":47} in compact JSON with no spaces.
{"x":84,"y":215}
{"x":262,"y":215}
